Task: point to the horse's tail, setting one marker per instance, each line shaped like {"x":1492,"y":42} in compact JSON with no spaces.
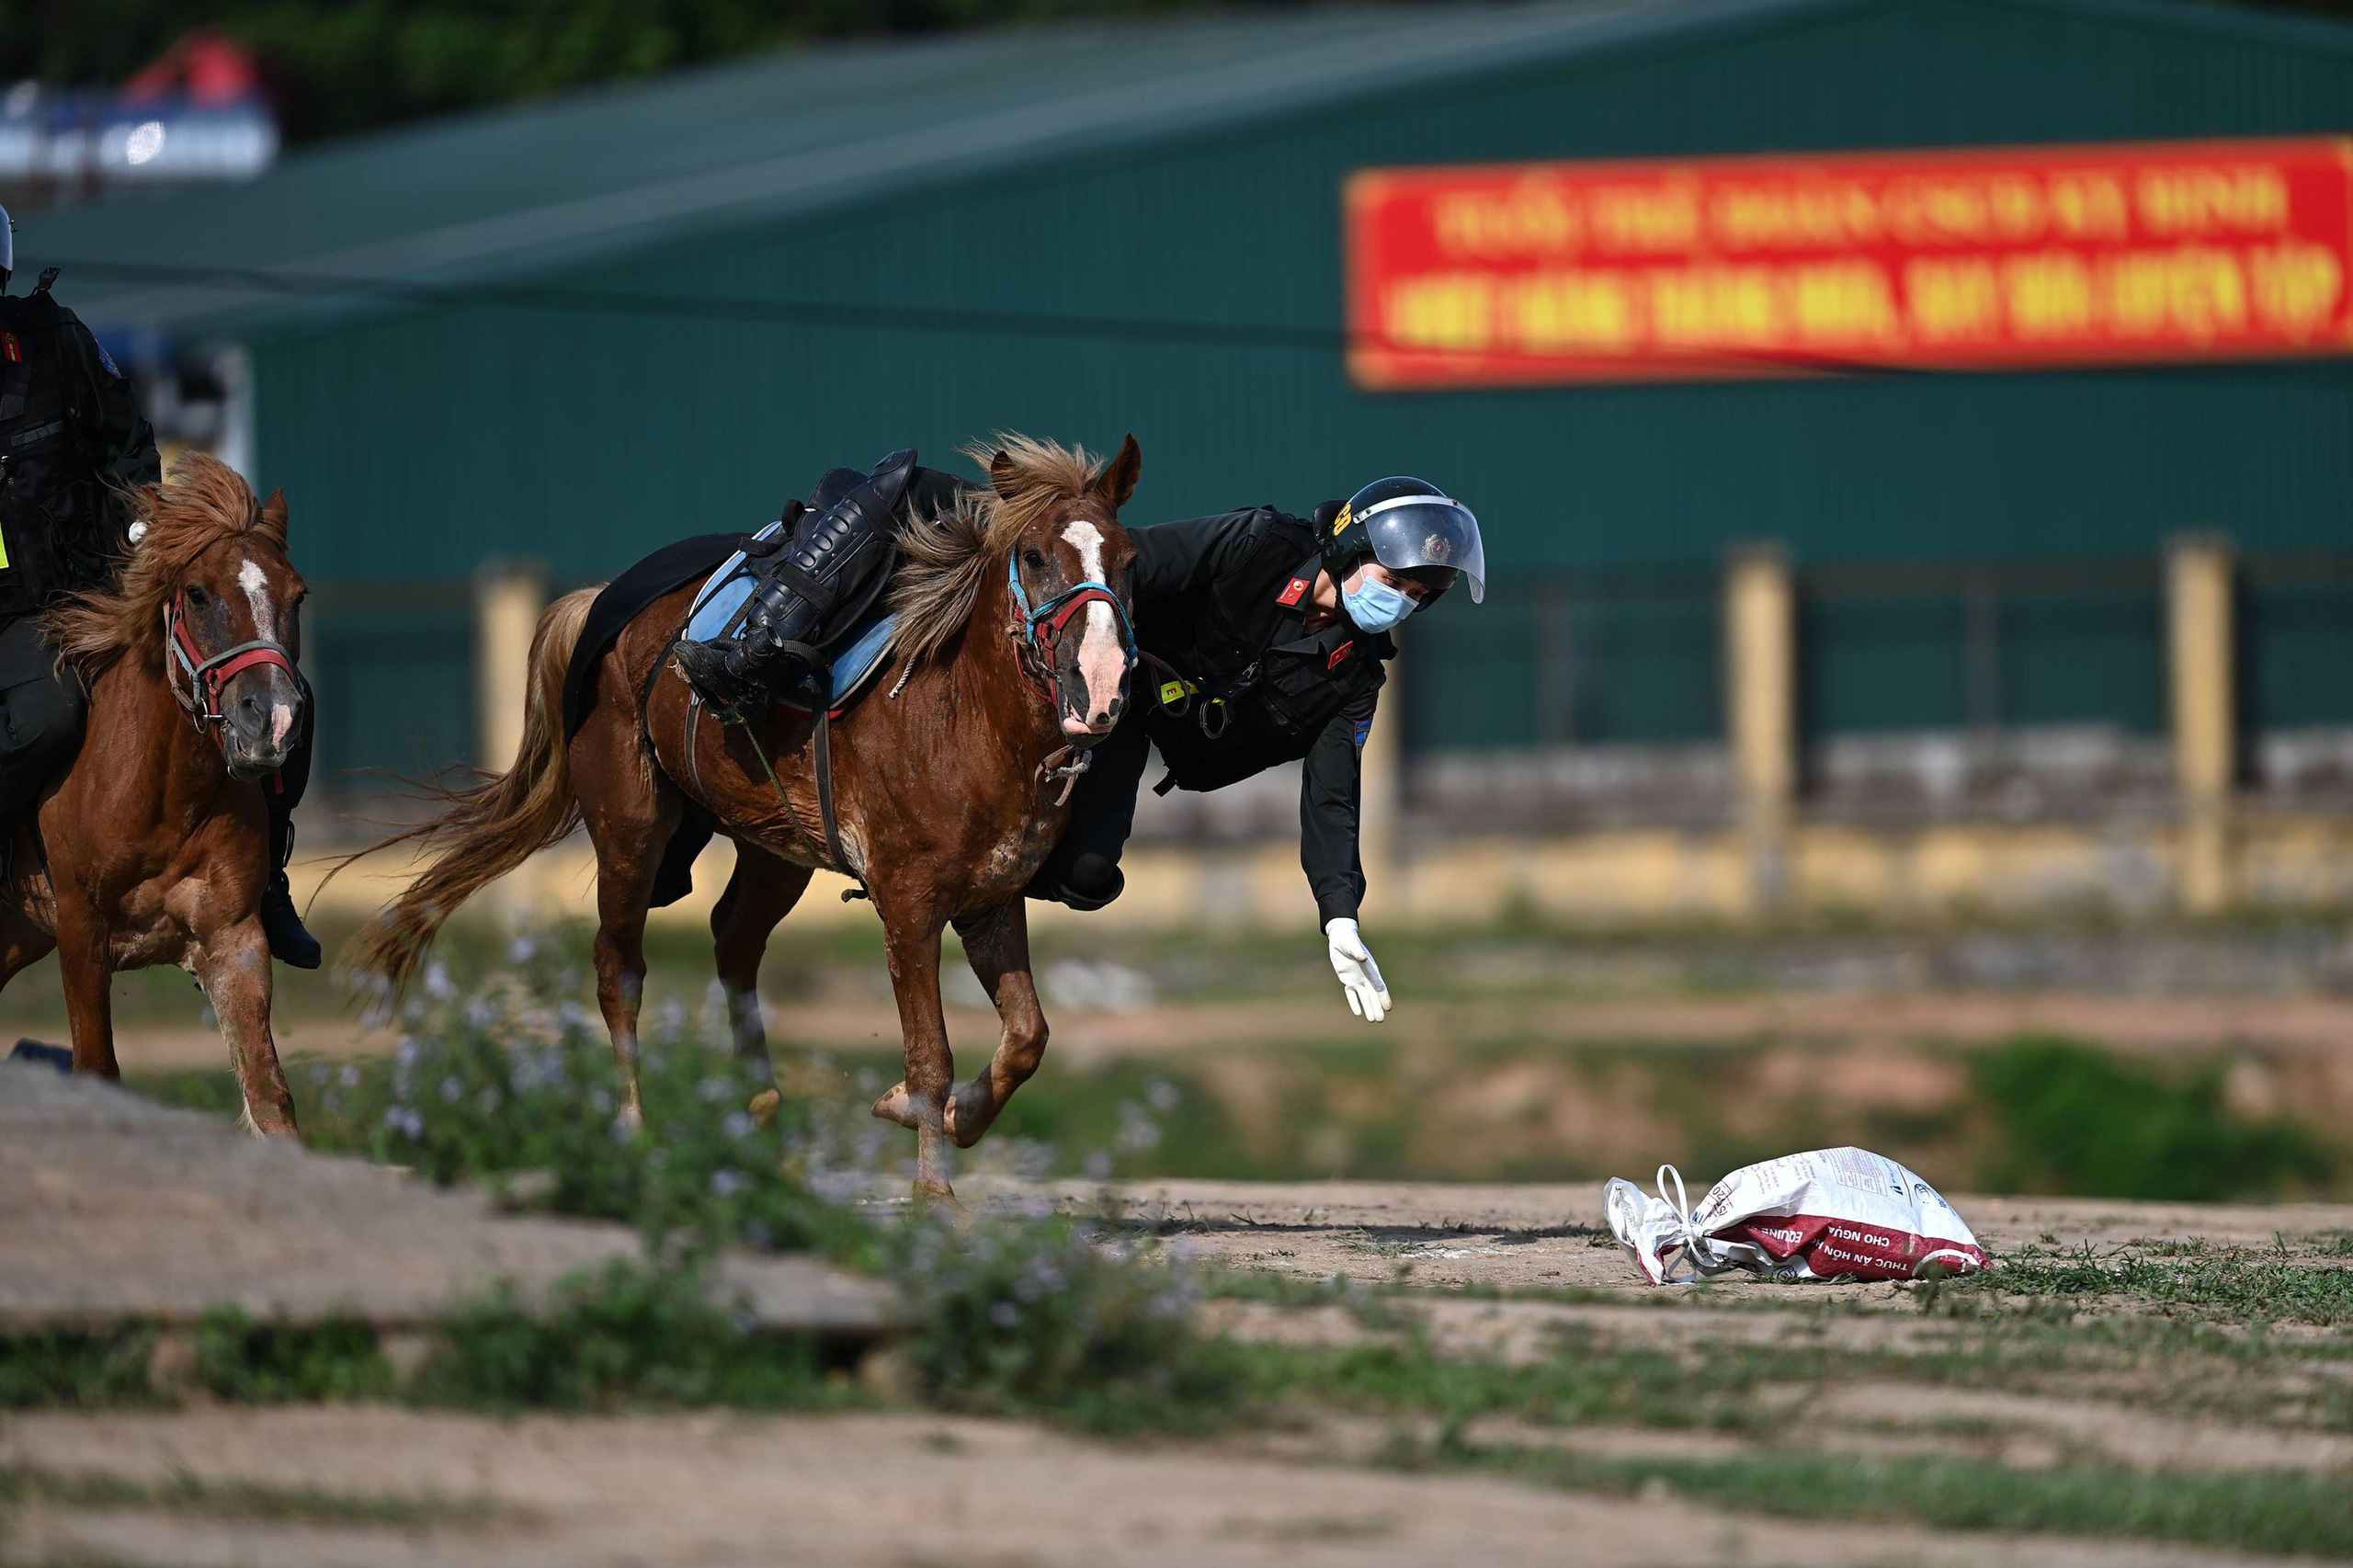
{"x":492,"y":825}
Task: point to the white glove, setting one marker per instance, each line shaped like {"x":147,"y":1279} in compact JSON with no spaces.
{"x":1360,"y":979}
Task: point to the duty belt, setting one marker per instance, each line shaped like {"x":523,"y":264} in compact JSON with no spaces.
{"x":1177,"y":694}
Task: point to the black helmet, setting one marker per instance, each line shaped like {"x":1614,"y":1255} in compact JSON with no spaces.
{"x":1406,"y":524}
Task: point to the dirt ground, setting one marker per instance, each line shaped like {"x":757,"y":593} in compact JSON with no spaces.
{"x":895,"y":1489}
{"x":891,"y":1491}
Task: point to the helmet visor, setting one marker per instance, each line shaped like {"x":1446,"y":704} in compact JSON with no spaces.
{"x":1418,"y":531}
{"x":8,"y":242}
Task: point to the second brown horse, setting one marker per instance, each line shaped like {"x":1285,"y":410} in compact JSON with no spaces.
{"x":945,"y":775}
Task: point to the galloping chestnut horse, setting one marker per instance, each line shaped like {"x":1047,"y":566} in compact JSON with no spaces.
{"x":156,"y":842}
{"x":1011,"y":655}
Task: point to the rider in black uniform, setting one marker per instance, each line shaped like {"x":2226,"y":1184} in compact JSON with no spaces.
{"x":1267,"y":634}
{"x":71,"y":431}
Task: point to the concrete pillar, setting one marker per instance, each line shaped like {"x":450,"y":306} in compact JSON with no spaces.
{"x":509,"y":598}
{"x":2199,"y":632}
{"x":1760,"y":719}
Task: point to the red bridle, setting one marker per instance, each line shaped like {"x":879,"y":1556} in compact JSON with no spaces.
{"x":197,"y":679}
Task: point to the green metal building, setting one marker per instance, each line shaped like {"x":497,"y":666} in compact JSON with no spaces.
{"x":572,"y":331}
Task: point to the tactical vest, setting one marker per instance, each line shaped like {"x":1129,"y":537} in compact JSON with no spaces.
{"x":1264,"y":688}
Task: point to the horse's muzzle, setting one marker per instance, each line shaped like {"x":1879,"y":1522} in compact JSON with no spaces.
{"x":262,"y":726}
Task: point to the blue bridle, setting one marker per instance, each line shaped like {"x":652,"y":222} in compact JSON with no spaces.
{"x":1055,"y":613}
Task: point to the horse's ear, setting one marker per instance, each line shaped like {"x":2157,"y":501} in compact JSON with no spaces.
{"x":273,"y":518}
{"x":1006,"y":474}
{"x":1117,"y":481}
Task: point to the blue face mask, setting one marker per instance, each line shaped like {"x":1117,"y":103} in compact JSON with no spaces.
{"x":1376,"y":606}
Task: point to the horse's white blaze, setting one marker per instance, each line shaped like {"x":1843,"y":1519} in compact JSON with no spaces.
{"x":1102,"y":663}
{"x":256,"y":582}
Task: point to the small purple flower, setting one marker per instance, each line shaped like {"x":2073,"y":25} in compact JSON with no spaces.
{"x":739,"y":1125}
{"x":1004,"y":1314}
{"x":726,"y":1183}
{"x":349,"y":1076}
{"x":453,"y":1090}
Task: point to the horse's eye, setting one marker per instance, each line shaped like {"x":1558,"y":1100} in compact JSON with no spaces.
{"x":195,"y":596}
{"x":1032,"y":560}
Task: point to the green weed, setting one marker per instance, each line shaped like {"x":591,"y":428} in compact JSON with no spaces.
{"x":77,"y":1368}
{"x":2260,"y":1511}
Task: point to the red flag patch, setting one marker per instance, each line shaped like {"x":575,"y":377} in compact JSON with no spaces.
{"x":1296,"y":591}
{"x":1339,"y":655}
{"x":12,"y":349}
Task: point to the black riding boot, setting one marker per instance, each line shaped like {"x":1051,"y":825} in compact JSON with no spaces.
{"x":290,"y":944}
{"x":808,"y":588}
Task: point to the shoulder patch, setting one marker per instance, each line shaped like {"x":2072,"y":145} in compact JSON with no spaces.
{"x":1364,"y":733}
{"x":1341,"y":655}
{"x":107,"y":360}
{"x":11,"y":350}
{"x":1294,"y":591}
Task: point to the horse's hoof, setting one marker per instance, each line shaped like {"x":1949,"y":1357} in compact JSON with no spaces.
{"x":938,"y":1198}
{"x":764,"y":1106}
{"x":897,"y":1106}
{"x":965,"y":1132}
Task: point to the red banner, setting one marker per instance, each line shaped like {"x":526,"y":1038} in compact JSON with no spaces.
{"x":1531,"y":273}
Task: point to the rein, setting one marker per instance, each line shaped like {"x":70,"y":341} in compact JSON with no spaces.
{"x":1039,"y":631}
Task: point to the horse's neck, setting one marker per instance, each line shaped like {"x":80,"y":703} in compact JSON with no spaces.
{"x":132,"y":704}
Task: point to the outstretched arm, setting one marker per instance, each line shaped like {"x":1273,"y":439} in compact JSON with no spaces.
{"x":1330,"y":807}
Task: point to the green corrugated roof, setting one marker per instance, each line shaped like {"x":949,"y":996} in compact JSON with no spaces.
{"x":520,"y":191}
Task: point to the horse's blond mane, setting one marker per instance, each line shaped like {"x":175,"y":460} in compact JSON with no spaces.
{"x":944,"y":560}
{"x":201,"y":502}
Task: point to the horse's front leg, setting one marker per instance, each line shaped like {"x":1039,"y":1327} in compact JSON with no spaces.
{"x":238,"y":981}
{"x":997,"y":943}
{"x":85,"y":958}
{"x":911,"y":940}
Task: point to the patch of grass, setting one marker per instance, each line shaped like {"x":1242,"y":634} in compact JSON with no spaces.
{"x":2236,"y":1286}
{"x":1582,"y":1383}
{"x":2258,"y":1511}
{"x":241,"y":1500}
{"x":1053,"y":1316}
{"x":258,"y":1363}
{"x":77,"y":1368}
{"x":2070,"y":1117}
{"x":630,"y":1334}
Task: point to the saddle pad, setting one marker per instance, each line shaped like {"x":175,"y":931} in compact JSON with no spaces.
{"x":624,"y":598}
{"x":720,"y":599}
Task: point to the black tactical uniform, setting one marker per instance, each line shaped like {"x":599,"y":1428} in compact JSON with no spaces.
{"x":70,"y":426}
{"x":1224,"y":601}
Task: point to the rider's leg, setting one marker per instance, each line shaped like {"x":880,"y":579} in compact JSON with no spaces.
{"x":1082,"y":870}
{"x":40,"y":719}
{"x":289,"y":943}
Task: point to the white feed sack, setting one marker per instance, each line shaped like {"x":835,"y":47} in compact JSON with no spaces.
{"x":1820,"y":1215}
